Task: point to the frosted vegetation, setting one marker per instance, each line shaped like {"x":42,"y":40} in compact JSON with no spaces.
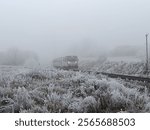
{"x":67,"y":91}
{"x":120,"y":67}
{"x":133,"y":68}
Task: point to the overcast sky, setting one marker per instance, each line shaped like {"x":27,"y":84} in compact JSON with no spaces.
{"x":55,"y":26}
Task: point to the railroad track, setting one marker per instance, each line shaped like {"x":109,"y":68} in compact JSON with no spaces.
{"x":123,"y":76}
{"x":129,"y":77}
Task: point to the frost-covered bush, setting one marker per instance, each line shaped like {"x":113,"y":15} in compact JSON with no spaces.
{"x":6,"y":92}
{"x":38,"y":97}
{"x":75,"y":105}
{"x":54,"y":103}
{"x":89,"y":104}
{"x":23,"y":99}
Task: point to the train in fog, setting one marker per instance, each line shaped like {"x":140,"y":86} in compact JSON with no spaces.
{"x":66,"y":63}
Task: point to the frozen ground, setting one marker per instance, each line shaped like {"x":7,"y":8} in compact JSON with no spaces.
{"x":45,"y":90}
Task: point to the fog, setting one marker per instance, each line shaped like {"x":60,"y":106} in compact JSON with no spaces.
{"x":54,"y":28}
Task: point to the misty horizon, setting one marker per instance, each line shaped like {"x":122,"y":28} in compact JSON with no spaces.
{"x":72,"y":27}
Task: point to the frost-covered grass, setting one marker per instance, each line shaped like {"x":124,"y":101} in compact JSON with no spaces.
{"x":132,"y":68}
{"x":120,"y":67}
{"x":68,"y":91}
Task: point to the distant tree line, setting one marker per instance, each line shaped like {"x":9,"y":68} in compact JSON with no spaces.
{"x":17,"y":57}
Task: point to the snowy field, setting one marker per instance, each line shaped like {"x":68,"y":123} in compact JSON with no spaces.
{"x":24,"y":90}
